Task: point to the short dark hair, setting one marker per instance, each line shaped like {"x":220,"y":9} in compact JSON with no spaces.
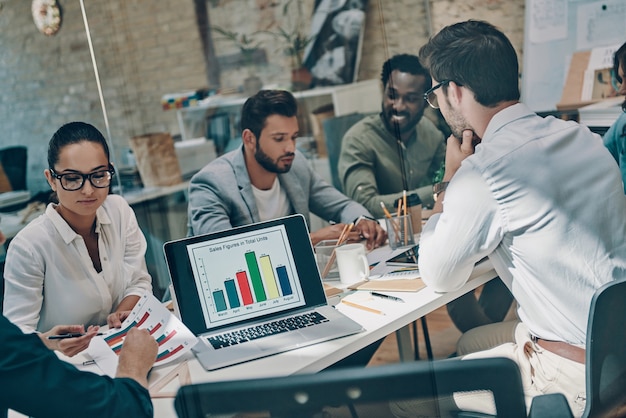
{"x":405,"y":63}
{"x":73,"y":133}
{"x":619,"y":58}
{"x":266,"y":103}
{"x":477,"y":55}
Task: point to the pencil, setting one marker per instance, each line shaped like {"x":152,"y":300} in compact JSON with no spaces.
{"x":399,"y":207}
{"x":388,"y":215}
{"x":406,"y":220}
{"x":343,"y":237}
{"x":362,"y":307}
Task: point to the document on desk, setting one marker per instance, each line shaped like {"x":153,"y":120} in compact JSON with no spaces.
{"x":173,"y":337}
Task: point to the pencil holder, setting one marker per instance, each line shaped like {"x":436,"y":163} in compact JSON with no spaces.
{"x":400,"y":231}
{"x":323,"y":255}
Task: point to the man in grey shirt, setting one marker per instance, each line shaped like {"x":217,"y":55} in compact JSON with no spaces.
{"x":396,"y":150}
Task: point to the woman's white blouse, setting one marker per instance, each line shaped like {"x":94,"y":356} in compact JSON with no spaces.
{"x":50,"y":278}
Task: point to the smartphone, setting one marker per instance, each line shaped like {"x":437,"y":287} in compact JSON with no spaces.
{"x":406,"y":258}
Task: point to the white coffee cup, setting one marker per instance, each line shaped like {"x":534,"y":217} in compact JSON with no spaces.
{"x":352,"y":263}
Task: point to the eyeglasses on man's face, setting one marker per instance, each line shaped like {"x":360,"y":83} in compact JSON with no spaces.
{"x":431,"y":97}
{"x":75,"y":181}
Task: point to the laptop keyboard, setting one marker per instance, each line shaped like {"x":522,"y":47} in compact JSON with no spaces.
{"x":271,"y":328}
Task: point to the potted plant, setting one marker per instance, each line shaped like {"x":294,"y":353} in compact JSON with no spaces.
{"x":294,"y":43}
{"x":247,"y":45}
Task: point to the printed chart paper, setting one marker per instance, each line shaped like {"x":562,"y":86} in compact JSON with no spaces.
{"x":173,"y":337}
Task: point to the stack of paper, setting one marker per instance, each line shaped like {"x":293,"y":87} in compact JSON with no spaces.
{"x":601,"y":114}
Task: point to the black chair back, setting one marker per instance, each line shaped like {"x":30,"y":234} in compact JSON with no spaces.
{"x":606,"y":352}
{"x":357,"y":392}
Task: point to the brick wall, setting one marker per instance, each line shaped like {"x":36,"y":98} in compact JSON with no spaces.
{"x":147,"y":48}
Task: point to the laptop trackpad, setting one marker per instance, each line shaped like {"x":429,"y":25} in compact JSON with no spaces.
{"x":280,"y":342}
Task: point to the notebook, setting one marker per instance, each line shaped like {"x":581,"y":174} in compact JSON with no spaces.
{"x":236,"y":286}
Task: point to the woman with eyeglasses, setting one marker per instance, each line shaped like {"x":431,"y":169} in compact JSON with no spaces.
{"x":615,"y":137}
{"x":82,"y":261}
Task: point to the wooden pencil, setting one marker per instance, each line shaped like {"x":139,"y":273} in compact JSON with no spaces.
{"x":362,"y":307}
{"x":343,"y":237}
{"x":406,"y":220}
{"x":394,"y":225}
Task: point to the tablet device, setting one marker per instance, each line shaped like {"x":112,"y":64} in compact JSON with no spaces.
{"x":406,"y":258}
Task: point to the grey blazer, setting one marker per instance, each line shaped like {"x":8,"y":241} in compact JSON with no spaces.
{"x":220,"y":195}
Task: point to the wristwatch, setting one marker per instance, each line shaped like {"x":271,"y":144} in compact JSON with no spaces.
{"x":439,"y":188}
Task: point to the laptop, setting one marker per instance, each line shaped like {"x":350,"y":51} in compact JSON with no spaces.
{"x":252,"y":291}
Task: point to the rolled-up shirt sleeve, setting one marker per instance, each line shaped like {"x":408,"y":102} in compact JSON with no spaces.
{"x":468,"y":229}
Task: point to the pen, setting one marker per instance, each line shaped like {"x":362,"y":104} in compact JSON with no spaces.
{"x":69,"y":335}
{"x":382,"y":295}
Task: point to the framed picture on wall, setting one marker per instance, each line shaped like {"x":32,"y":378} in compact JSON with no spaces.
{"x":337,"y":31}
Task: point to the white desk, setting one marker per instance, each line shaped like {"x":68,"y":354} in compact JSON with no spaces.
{"x":317,"y":357}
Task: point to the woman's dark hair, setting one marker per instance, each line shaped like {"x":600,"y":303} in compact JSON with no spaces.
{"x":477,"y":55}
{"x":73,"y":133}
{"x":619,"y":58}
{"x":264,"y":104}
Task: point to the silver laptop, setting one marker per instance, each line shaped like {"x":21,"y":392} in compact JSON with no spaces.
{"x":252,"y":291}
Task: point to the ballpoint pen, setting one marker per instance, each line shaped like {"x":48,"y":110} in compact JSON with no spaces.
{"x":382,"y":295}
{"x":68,"y":335}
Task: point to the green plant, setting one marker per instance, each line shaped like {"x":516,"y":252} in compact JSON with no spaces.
{"x":290,"y":34}
{"x":246,"y":43}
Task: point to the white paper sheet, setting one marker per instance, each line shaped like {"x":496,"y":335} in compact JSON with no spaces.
{"x":174,"y":338}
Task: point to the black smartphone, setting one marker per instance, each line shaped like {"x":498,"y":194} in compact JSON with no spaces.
{"x":406,"y":258}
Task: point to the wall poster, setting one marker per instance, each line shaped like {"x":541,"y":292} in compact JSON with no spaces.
{"x":333,"y":55}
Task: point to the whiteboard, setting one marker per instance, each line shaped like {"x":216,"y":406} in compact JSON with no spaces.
{"x":553,"y":31}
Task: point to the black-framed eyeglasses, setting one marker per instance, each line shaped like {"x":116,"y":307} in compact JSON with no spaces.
{"x":430,"y":95}
{"x":100,"y":179}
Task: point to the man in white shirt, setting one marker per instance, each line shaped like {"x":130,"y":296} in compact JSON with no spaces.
{"x":514,"y":195}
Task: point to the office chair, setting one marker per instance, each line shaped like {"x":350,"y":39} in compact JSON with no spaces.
{"x":357,"y":392}
{"x":13,"y":160}
{"x":334,"y":130}
{"x":605,"y":355}
{"x":605,"y":358}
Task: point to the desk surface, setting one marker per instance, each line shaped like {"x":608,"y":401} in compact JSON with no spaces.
{"x":317,"y":357}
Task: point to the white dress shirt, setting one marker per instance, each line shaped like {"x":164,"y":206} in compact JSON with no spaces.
{"x":542,"y":198}
{"x":50,"y":278}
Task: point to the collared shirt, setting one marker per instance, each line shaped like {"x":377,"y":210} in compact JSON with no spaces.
{"x":372,"y":159}
{"x":50,"y":278}
{"x":543,"y":199}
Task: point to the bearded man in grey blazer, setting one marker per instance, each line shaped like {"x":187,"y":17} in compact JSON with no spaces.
{"x":268,"y":178}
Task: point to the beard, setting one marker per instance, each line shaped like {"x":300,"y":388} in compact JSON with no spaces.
{"x":270,"y":165}
{"x":456,"y":122}
{"x":404,"y":127}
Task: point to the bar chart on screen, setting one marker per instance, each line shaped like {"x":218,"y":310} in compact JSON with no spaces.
{"x":245,"y":276}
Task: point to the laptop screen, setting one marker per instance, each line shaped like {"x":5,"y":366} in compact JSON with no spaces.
{"x":243,"y":274}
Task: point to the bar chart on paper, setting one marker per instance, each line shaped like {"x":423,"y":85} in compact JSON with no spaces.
{"x":172,"y":336}
{"x":245,"y":276}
